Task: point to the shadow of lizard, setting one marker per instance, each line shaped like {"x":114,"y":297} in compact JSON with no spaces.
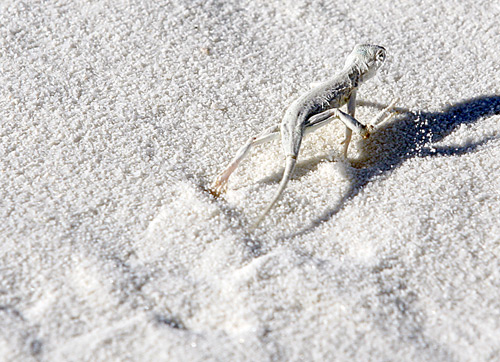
{"x":411,"y":135}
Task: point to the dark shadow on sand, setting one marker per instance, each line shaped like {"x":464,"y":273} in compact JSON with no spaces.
{"x":411,"y":134}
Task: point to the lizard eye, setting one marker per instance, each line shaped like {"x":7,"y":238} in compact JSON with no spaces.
{"x":381,"y":55}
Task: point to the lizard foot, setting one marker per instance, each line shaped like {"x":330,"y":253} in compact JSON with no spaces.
{"x":219,"y":186}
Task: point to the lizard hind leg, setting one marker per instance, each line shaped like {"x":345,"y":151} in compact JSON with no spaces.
{"x":219,"y":185}
{"x":351,"y":111}
{"x":351,"y":123}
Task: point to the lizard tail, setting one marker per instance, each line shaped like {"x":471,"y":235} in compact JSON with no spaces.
{"x":291,"y":160}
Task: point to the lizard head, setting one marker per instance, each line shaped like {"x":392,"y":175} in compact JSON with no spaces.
{"x":367,"y":58}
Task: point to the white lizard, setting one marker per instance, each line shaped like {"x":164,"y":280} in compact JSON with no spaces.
{"x":314,"y":109}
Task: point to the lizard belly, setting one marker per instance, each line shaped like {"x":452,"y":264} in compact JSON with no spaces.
{"x":340,"y":100}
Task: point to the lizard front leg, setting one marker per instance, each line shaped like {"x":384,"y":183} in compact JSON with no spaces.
{"x":351,"y":110}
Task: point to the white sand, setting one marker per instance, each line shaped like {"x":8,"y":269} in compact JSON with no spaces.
{"x":114,"y":117}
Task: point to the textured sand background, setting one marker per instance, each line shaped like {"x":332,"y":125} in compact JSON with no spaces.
{"x":115,"y":117}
